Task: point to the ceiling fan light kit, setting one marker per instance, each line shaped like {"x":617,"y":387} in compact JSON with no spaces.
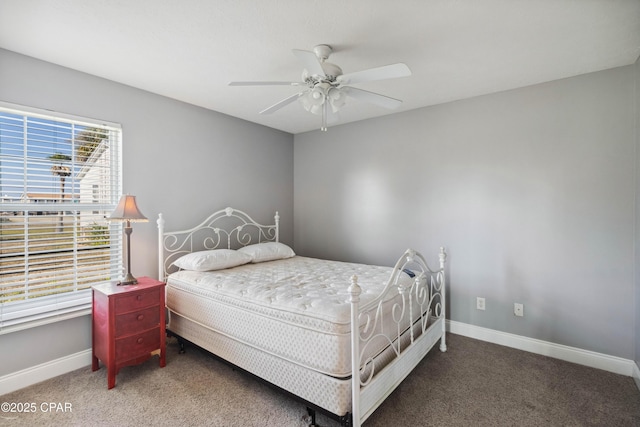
{"x":327,"y":87}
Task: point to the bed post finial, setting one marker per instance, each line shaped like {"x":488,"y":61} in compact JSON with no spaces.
{"x":354,"y":290}
{"x":277,"y":219}
{"x":442,"y":256}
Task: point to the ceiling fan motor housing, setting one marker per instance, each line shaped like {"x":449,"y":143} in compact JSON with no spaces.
{"x":331,"y":71}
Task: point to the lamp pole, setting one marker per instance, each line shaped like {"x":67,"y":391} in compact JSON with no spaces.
{"x":129,"y":279}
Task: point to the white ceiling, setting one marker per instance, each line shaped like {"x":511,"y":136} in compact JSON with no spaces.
{"x":191,"y":49}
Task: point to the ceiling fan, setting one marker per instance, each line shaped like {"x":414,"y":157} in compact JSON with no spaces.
{"x":326,"y":88}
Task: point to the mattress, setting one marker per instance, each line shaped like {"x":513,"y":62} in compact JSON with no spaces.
{"x":295,"y":309}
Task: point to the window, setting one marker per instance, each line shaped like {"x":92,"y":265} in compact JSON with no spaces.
{"x":60,"y":177}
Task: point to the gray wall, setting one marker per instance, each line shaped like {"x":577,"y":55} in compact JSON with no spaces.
{"x":531,"y":191}
{"x":180,"y":160}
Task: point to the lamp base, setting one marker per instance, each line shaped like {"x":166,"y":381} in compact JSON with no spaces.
{"x":128,"y":280}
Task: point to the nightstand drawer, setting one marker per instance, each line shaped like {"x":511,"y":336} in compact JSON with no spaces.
{"x":137,"y":345}
{"x":137,"y":301}
{"x":137,"y":321}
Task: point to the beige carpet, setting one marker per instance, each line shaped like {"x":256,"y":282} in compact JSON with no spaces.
{"x":473,"y":384}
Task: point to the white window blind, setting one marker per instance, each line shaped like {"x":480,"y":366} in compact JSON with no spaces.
{"x":60,"y":177}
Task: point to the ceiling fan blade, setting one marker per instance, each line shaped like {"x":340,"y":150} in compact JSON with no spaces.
{"x":278,"y":105}
{"x":373,"y":98}
{"x":309,"y":61}
{"x":266,"y":84}
{"x":380,"y":73}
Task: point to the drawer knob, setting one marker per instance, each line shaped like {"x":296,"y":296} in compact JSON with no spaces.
{"x":140,"y":340}
{"x":140,"y":316}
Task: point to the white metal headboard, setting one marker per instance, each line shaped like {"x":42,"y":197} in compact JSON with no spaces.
{"x":225,"y":229}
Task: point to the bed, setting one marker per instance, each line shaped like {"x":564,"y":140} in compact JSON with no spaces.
{"x":302,"y":324}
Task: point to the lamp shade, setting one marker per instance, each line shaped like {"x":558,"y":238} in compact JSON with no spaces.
{"x":127,"y":210}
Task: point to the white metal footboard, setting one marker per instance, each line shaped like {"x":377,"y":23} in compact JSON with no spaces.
{"x":426,"y":293}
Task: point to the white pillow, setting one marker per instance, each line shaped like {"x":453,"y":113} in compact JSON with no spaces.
{"x":216,"y":259}
{"x":267,"y":251}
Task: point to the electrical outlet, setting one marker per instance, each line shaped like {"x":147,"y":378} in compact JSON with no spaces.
{"x":480,"y":303}
{"x":518,"y":309}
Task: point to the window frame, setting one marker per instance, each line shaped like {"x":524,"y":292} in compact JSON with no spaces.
{"x":72,"y":302}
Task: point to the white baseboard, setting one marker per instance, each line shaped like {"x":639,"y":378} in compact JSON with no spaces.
{"x":44,"y":371}
{"x":613,"y":364}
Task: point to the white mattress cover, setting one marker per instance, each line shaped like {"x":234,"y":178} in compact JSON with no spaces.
{"x":297,"y":308}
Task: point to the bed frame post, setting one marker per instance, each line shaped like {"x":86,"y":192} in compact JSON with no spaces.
{"x":277,"y":219}
{"x":160,"y":223}
{"x":354,"y":299}
{"x":443,"y":341}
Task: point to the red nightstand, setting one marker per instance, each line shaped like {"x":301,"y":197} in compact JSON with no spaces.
{"x":128,"y":325}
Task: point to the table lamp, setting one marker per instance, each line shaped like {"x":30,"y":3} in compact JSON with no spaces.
{"x":127,"y":211}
